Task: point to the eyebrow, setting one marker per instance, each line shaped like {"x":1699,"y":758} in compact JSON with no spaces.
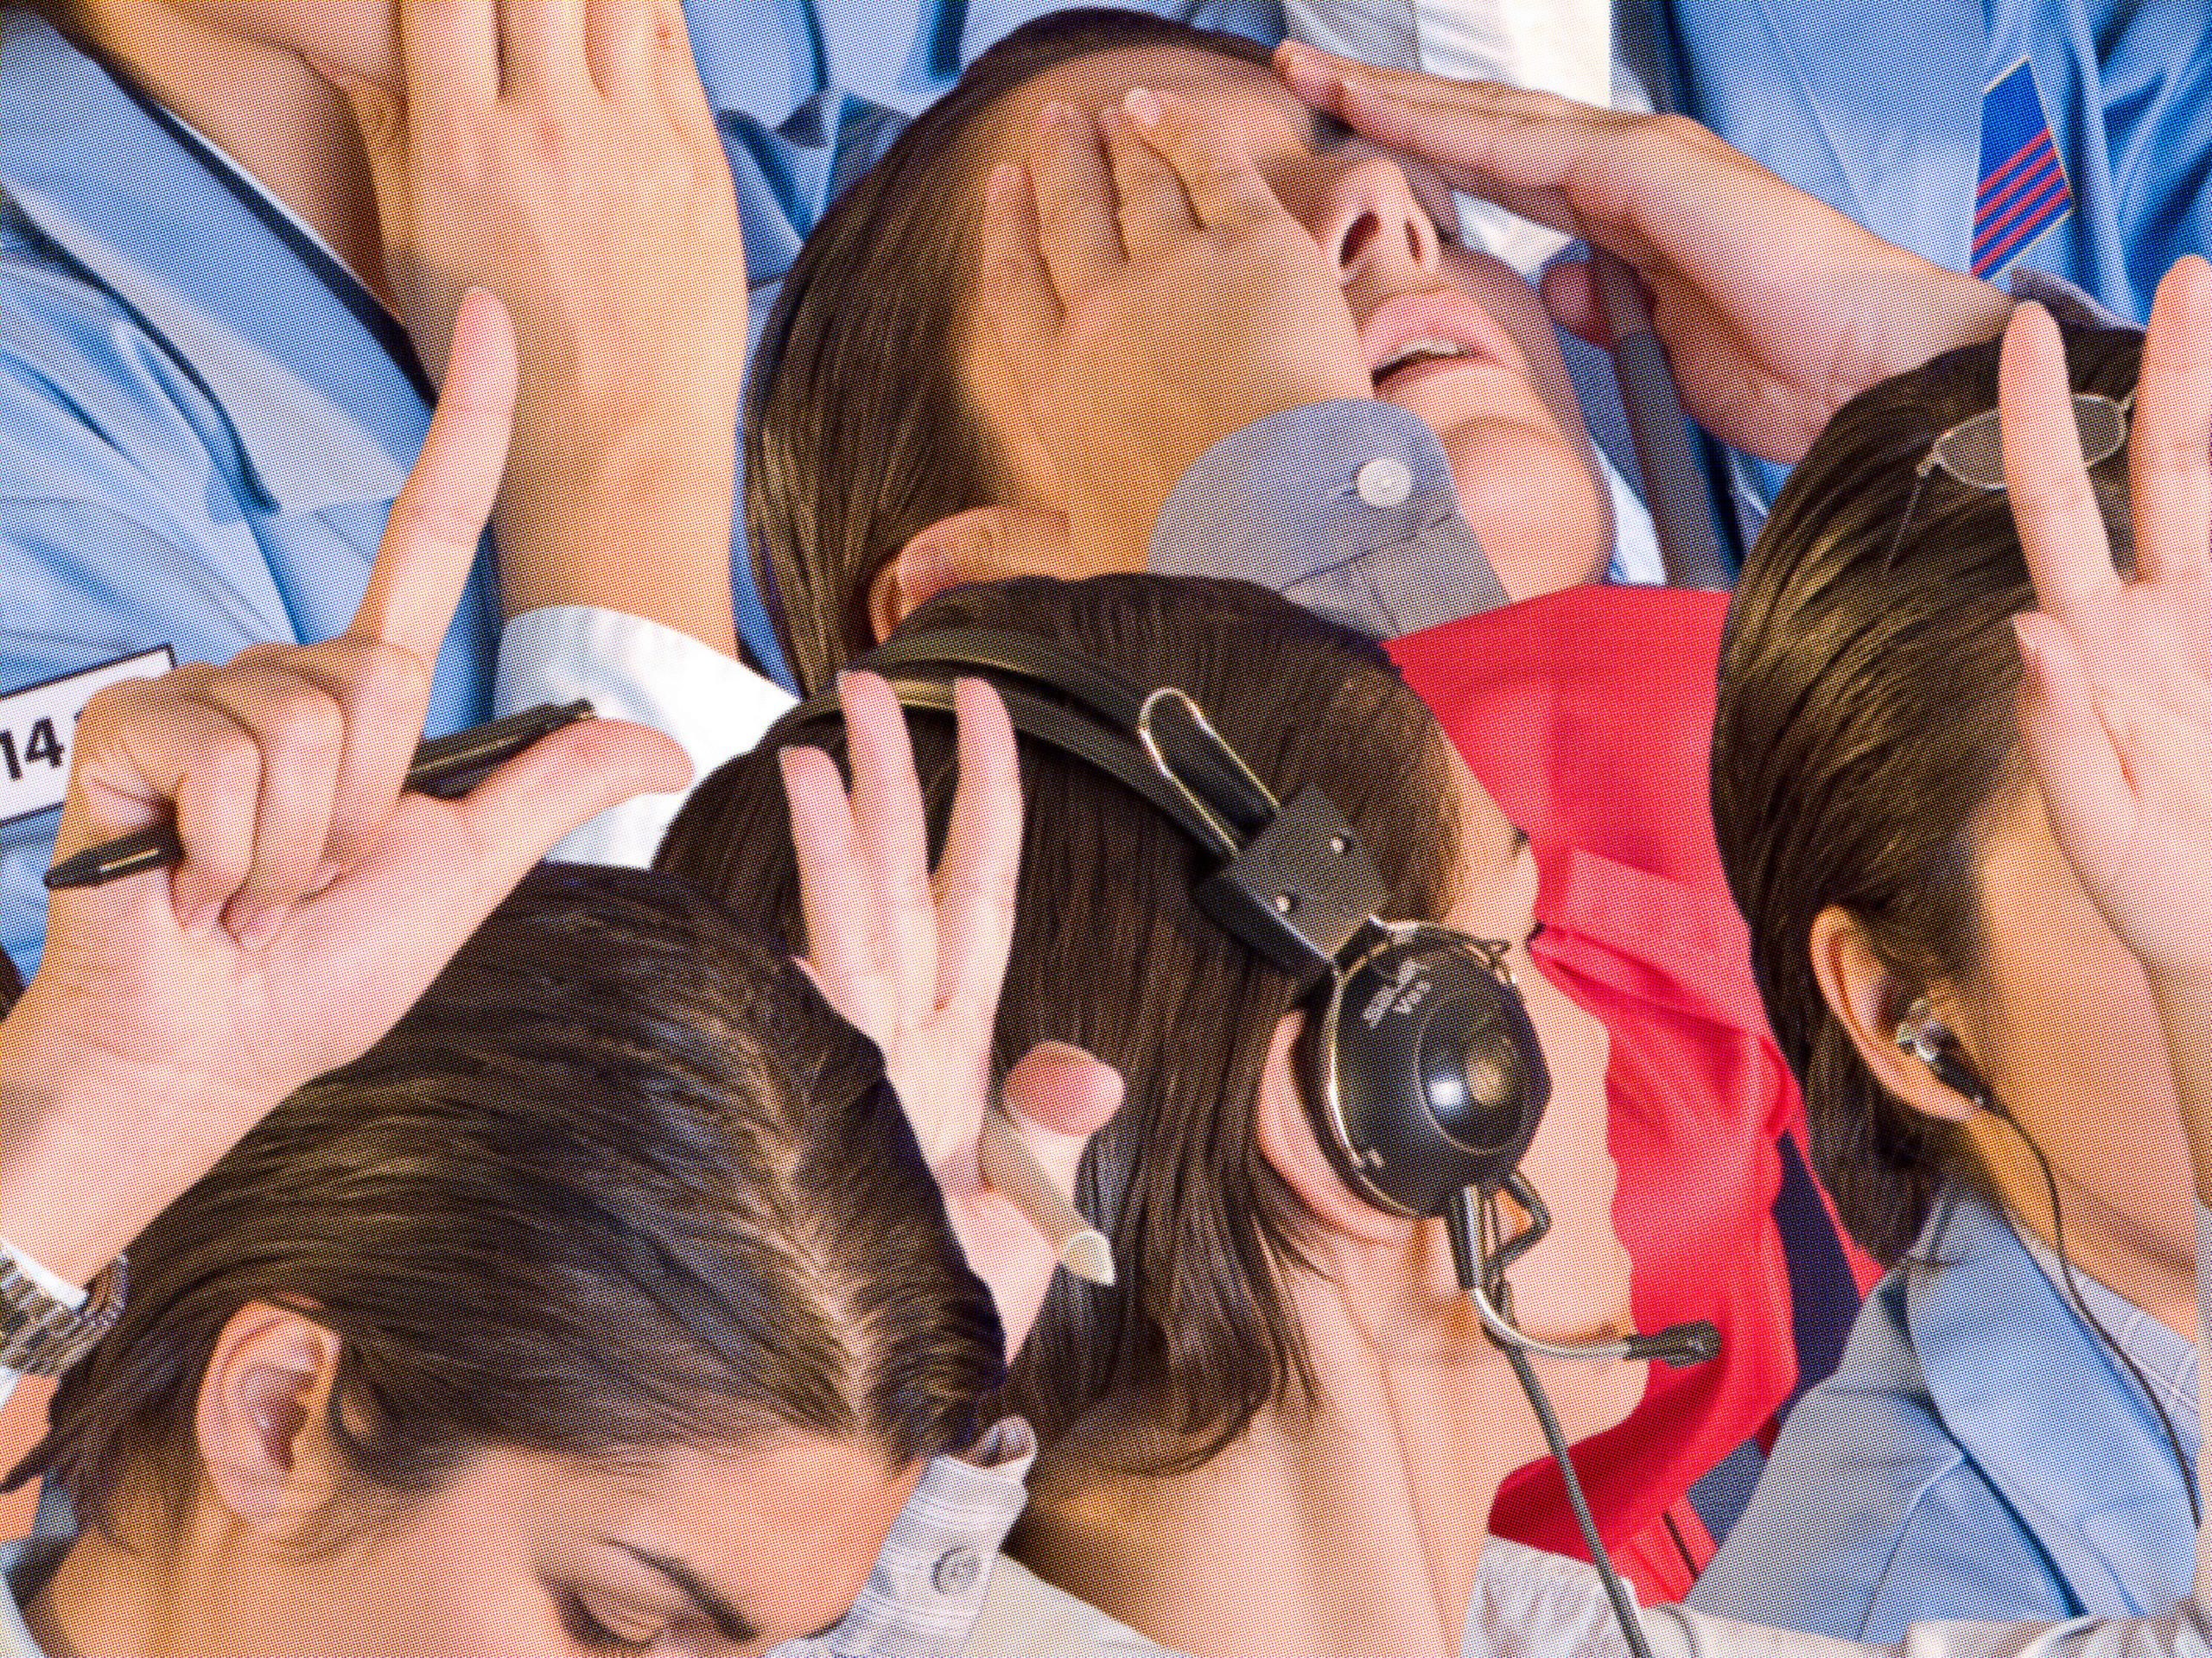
{"x":729,"y":1623}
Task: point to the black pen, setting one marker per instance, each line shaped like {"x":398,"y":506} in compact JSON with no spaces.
{"x":448,"y":768}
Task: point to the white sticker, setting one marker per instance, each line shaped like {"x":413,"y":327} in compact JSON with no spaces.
{"x":38,"y":724}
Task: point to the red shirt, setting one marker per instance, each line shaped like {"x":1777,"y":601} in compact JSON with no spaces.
{"x":1587,"y":714}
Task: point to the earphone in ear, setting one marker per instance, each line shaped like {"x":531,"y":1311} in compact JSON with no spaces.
{"x":1922,"y":1034}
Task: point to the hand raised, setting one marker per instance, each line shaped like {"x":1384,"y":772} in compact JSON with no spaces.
{"x":315,"y":901}
{"x":2117,"y":711}
{"x":562,"y":154}
{"x":916,"y":965}
{"x":1148,"y":295}
{"x":1774,"y":308}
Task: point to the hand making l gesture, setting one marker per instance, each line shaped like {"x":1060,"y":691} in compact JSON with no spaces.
{"x":315,"y":901}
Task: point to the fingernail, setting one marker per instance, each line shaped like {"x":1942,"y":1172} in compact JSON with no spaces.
{"x":1142,"y":106}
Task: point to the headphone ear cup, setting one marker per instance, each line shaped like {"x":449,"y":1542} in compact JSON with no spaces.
{"x":1425,"y":1076}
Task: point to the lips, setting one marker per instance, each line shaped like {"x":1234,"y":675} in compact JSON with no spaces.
{"x":1409,"y":332}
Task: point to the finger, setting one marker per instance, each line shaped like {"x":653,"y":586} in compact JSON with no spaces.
{"x":379,"y":691}
{"x":430,"y":539}
{"x":1077,"y":235}
{"x":675,"y":71}
{"x":977,"y":877}
{"x":514,"y":815}
{"x":542,"y":46}
{"x":2061,"y":533}
{"x":1518,"y":148}
{"x":1154,"y":208}
{"x":154,"y":748}
{"x":1059,"y":1096}
{"x":300,"y":732}
{"x":1224,"y":189}
{"x":984,"y":544}
{"x":1019,"y":296}
{"x":2084,"y":783}
{"x":619,"y":39}
{"x":893,"y":837}
{"x":2169,"y":448}
{"x":382,"y":125}
{"x":837,"y":899}
{"x":449,"y":61}
{"x":1570,"y":292}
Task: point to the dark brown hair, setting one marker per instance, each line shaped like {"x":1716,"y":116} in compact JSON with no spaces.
{"x":618,"y":1181}
{"x":859,"y":430}
{"x":1864,"y":734}
{"x":1110,"y":952}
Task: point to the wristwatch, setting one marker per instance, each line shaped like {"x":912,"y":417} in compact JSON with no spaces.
{"x":42,"y":1335}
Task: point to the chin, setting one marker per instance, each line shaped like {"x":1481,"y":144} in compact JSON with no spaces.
{"x":1542,"y":518}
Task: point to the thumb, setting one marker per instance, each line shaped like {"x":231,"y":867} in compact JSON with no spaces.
{"x":1058,"y":1097}
{"x":559,"y":781}
{"x":1570,"y":291}
{"x":985,"y":543}
{"x":380,"y":117}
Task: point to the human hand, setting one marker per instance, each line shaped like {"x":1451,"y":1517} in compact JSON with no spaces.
{"x":1148,"y":295}
{"x":562,"y":154}
{"x":315,"y":901}
{"x":917,"y":966}
{"x":1775,"y":309}
{"x":2117,"y":709}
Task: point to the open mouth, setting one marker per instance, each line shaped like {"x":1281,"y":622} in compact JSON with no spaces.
{"x":1420,"y":351}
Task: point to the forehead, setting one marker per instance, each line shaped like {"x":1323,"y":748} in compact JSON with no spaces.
{"x":1244,"y":100}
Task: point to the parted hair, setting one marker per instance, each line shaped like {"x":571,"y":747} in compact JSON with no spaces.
{"x":859,"y":430}
{"x":1166,"y":1368}
{"x":1864,"y":734}
{"x":620,"y":1180}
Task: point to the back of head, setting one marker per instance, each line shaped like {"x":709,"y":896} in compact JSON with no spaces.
{"x":1110,"y":953}
{"x":1866,"y":731}
{"x":859,"y":430}
{"x":619,"y":1182}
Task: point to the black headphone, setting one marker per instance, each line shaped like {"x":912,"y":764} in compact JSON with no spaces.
{"x":1423,"y":1076}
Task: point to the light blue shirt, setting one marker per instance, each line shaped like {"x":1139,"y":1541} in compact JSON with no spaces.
{"x":1977,"y":1453}
{"x":206,"y":420}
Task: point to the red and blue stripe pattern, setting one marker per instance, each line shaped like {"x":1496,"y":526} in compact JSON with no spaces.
{"x":2023,"y":190}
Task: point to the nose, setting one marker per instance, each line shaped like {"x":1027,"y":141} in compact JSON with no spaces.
{"x":1366,"y":218}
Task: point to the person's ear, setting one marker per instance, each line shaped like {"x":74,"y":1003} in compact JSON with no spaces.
{"x":260,"y":1417}
{"x":1865,"y":1000}
{"x":1284,"y":1135}
{"x":985,"y":543}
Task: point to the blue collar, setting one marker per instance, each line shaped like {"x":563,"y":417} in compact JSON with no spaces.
{"x":2040,"y":1405}
{"x":317,"y":381}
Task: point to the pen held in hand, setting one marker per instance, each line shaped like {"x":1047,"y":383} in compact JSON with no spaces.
{"x":447,"y":768}
{"x":1014,"y":1173}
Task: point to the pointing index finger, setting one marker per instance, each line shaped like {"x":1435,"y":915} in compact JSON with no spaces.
{"x":430,"y":539}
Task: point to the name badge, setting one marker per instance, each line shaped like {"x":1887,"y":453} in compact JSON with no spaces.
{"x":38,"y":726}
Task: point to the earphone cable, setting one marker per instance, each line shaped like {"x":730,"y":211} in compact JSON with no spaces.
{"x":2081,"y":1305}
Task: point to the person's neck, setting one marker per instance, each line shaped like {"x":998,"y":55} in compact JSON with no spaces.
{"x":116,"y":1599}
{"x":2150,"y":1266}
{"x":1355,"y":1529}
{"x":265,"y":106}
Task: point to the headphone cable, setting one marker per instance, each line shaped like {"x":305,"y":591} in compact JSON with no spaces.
{"x":1462,"y":1223}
